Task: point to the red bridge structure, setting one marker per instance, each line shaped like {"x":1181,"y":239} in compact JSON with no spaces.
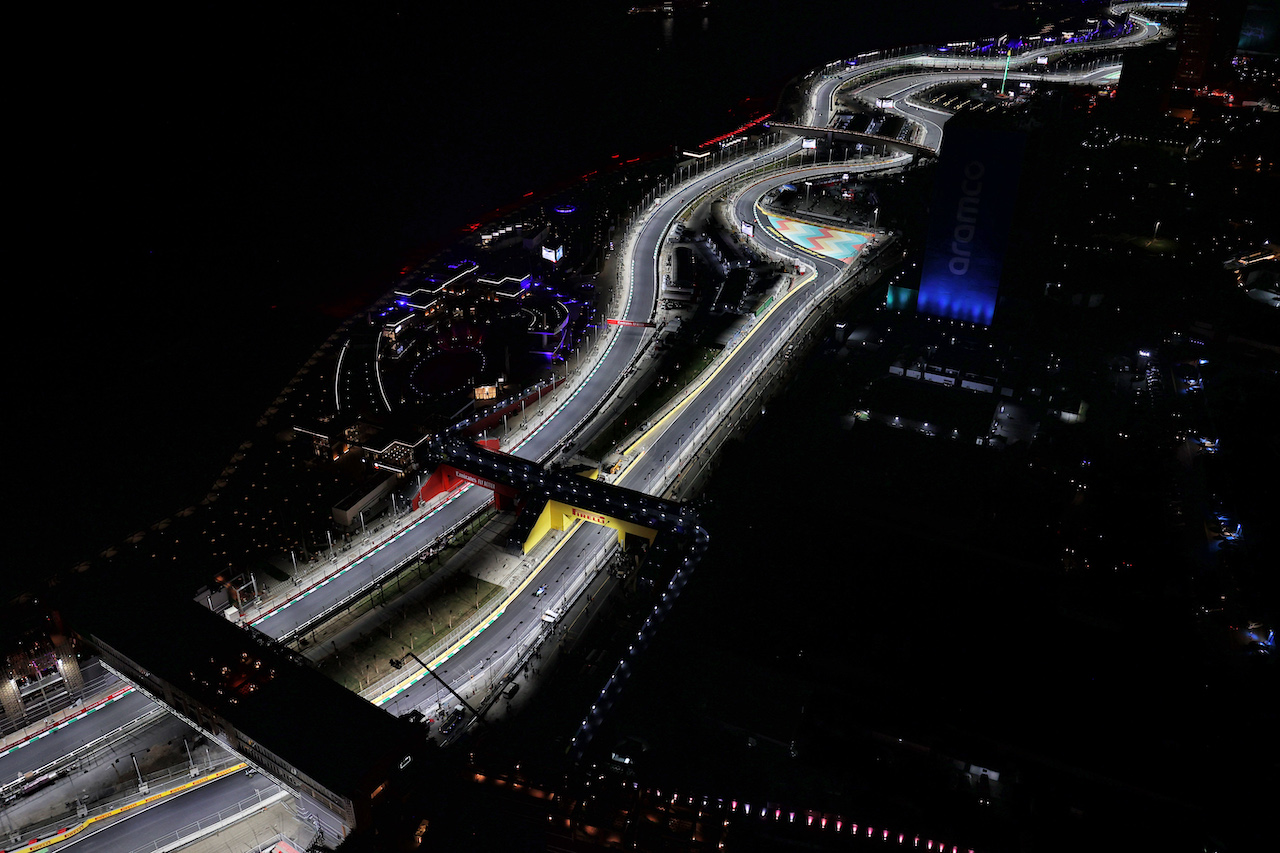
{"x":446,"y":478}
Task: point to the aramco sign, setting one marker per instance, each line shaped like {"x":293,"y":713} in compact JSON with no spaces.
{"x":969,"y":223}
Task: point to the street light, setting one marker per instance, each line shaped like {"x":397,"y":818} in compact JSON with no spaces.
{"x":398,"y":663}
{"x":191,"y":760}
{"x":142,"y":785}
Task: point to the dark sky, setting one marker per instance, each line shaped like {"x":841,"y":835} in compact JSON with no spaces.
{"x":206,"y":193}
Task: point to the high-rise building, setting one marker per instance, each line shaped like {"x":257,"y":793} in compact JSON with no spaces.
{"x":1146,"y":78}
{"x":969,"y":221}
{"x":1207,"y":41}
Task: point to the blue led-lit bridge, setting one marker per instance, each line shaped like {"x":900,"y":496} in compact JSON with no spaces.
{"x":833,"y":133}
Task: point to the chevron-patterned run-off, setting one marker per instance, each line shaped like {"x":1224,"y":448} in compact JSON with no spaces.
{"x":831,"y":242}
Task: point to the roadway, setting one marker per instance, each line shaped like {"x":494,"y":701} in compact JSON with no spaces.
{"x":286,"y":619}
{"x":654,"y":459}
{"x":143,"y":826}
{"x":39,"y":752}
{"x":899,"y":89}
{"x":594,"y":387}
{"x":640,"y":255}
{"x":582,"y":550}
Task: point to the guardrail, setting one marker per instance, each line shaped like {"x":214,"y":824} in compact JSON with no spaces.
{"x":391,"y":572}
{"x":674,"y":470}
{"x":269,"y":845}
{"x":160,"y":778}
{"x":71,"y":757}
{"x":10,"y":726}
{"x":477,"y":622}
{"x":808,"y":303}
{"x":214,"y":822}
{"x":470,"y":624}
{"x":566,"y":392}
{"x":735,"y":186}
{"x":911,"y":59}
{"x":523,"y":651}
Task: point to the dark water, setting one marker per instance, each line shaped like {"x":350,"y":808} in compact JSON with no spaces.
{"x":212,"y":192}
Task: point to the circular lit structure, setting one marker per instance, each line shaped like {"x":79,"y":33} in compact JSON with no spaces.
{"x":453,"y":362}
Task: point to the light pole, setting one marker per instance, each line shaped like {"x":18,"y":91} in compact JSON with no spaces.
{"x":398,"y":663}
{"x":142,"y":786}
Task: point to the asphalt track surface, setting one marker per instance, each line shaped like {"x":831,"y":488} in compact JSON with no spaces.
{"x":39,"y":752}
{"x":476,"y":664}
{"x":473,"y":667}
{"x":626,"y":343}
{"x":166,"y":816}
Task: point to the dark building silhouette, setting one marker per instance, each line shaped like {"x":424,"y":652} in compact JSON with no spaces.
{"x":1207,"y":41}
{"x":1146,"y":78}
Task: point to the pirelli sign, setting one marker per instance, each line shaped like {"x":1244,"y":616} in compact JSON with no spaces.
{"x":593,"y":517}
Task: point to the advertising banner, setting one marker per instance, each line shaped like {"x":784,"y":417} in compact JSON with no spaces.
{"x":969,"y":221}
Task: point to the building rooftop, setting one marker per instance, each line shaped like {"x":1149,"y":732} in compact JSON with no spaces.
{"x":268,"y":694}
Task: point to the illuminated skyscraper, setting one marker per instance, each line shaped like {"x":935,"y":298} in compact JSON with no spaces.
{"x":969,"y":221}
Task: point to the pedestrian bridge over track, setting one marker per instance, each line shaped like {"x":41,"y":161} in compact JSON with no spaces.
{"x":550,"y":499}
{"x":831,"y":133}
